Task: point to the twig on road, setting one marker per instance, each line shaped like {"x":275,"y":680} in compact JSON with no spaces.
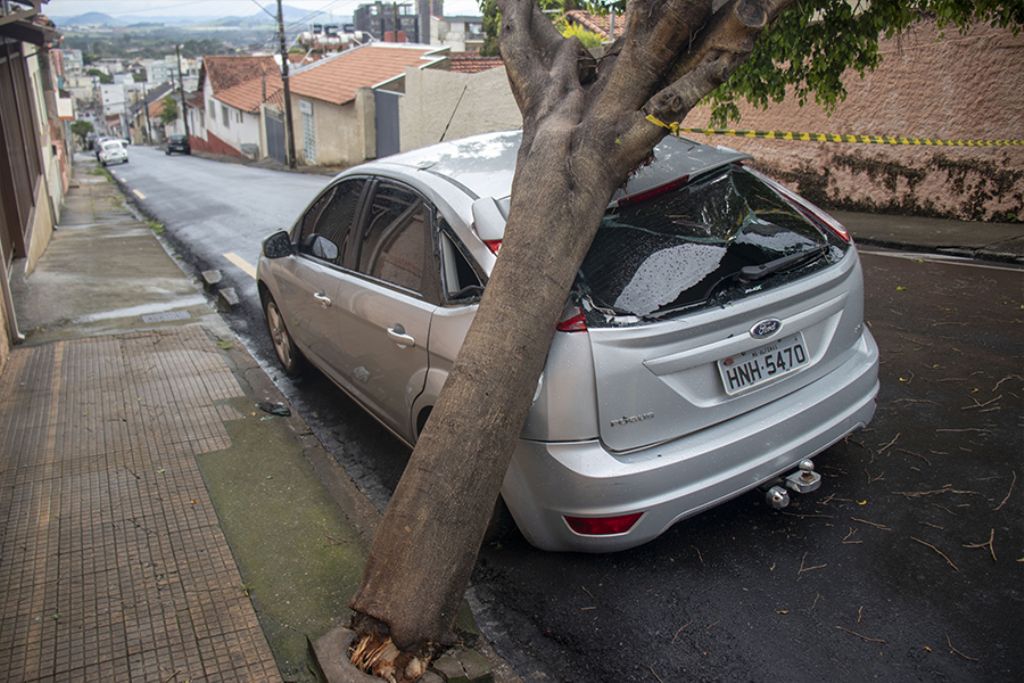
{"x":863,"y":637}
{"x":654,"y":673}
{"x":804,"y":568}
{"x":948,"y":488}
{"x":1013,"y":481}
{"x":680,"y":630}
{"x":981,"y":405}
{"x":990,"y":544}
{"x":870,"y":523}
{"x":916,"y":455}
{"x":889,"y":445}
{"x":957,"y":652}
{"x":846,"y":538}
{"x":699,"y":555}
{"x":1005,"y":379}
{"x":860,"y":613}
{"x":941,"y":554}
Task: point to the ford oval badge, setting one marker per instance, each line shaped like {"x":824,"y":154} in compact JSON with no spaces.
{"x":765,"y":328}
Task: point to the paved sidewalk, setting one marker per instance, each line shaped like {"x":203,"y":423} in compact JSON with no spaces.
{"x":114,"y":566}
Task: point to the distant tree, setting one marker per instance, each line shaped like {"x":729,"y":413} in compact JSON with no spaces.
{"x":169,"y":114}
{"x":81,"y":129}
{"x":104,"y":77}
{"x":139,"y":76}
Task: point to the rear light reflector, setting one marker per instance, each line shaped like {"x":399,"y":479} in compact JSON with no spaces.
{"x":603,"y":526}
{"x":654,"y":191}
{"x":577,"y":322}
{"x":493,"y":245}
{"x":813,"y":213}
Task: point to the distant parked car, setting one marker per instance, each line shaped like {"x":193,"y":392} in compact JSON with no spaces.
{"x":178,"y":143}
{"x":98,"y":145}
{"x":113,"y":152}
{"x":713,"y":342}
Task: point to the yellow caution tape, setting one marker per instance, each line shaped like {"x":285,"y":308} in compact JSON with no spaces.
{"x":676,"y":129}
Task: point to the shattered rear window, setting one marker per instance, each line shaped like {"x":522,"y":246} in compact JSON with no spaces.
{"x":687,"y":246}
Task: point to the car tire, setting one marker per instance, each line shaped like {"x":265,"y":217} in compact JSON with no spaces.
{"x":502,"y":525}
{"x":288,"y":355}
{"x":167,"y":152}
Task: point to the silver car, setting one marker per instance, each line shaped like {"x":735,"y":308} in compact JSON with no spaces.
{"x":713,"y":342}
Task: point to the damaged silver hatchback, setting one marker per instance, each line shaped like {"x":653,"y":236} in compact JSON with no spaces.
{"x":713,"y":342}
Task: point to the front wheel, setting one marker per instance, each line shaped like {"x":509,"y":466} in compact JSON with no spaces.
{"x":288,"y":355}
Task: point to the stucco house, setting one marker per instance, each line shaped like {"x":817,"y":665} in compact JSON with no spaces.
{"x":346,"y":105}
{"x":233,"y":90}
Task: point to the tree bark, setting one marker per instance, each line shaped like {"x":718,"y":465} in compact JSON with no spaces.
{"x":584,"y":132}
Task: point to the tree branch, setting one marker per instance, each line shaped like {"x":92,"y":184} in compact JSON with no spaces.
{"x":530,"y":47}
{"x":736,"y":23}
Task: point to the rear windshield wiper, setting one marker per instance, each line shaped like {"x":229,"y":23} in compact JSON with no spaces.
{"x":760,"y":272}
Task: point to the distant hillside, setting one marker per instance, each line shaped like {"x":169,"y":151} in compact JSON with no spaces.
{"x":87,"y":19}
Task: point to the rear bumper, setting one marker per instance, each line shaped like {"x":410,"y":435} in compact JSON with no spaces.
{"x":681,"y":478}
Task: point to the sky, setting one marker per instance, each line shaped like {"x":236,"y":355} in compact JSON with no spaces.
{"x":219,"y":8}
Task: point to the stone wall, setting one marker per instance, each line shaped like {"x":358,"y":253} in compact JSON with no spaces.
{"x":930,"y":84}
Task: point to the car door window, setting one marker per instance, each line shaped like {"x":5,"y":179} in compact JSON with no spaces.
{"x":397,"y":246}
{"x":326,"y":225}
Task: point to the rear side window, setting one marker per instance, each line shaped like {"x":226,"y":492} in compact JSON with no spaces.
{"x":688,"y":246}
{"x":396,"y":246}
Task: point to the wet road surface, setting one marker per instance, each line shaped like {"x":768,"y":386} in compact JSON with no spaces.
{"x":886,"y":572}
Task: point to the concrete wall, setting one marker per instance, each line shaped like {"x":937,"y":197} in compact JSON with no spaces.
{"x":928,"y":85}
{"x":430,"y":101}
{"x":5,"y":343}
{"x":344,"y":134}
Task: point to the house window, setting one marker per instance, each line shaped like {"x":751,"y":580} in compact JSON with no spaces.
{"x":308,"y":131}
{"x":239,"y":115}
{"x":213,"y":109}
{"x":224,"y":116}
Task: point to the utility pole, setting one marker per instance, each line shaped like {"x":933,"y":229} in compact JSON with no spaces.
{"x":423,"y":22}
{"x":290,"y":131}
{"x":181,"y":89}
{"x":145,"y":107}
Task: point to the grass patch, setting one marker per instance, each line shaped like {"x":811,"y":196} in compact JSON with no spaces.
{"x":100,"y":170}
{"x":156,"y":226}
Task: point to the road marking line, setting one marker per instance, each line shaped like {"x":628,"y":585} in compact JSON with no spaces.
{"x":138,"y":194}
{"x":242,"y":264}
{"x":938,"y":258}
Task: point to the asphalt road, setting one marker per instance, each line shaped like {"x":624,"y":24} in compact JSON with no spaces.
{"x":879,"y":575}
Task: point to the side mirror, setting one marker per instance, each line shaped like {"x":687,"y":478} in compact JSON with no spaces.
{"x":278,"y":245}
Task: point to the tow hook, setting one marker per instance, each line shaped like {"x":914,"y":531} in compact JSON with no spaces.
{"x":803,"y":480}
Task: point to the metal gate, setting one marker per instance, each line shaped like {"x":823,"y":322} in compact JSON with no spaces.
{"x":386,"y":121}
{"x":275,"y":136}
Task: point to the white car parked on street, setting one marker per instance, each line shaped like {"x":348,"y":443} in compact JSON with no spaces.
{"x":113,"y":152}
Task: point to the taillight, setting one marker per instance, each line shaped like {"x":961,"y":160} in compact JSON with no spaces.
{"x":654,"y":191}
{"x":493,"y":245}
{"x":576,"y":322}
{"x":603,"y":526}
{"x":813,"y":213}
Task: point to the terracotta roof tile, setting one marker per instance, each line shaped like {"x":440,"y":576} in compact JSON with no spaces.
{"x":336,"y":79}
{"x":597,"y":23}
{"x":472,"y":62}
{"x":224,"y":71}
{"x":248,"y":95}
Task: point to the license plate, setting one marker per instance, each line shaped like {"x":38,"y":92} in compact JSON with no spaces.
{"x":763,"y":364}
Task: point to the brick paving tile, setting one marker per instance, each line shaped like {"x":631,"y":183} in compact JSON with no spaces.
{"x":112,"y":564}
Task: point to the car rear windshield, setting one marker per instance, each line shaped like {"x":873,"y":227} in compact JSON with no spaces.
{"x":712,"y":240}
{"x":177,"y":138}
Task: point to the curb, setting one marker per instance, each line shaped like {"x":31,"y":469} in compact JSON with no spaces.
{"x":980,"y":253}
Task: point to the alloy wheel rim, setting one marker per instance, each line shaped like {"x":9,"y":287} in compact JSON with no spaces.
{"x":278,"y":335}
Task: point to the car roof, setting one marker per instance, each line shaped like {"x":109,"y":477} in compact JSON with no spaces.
{"x":483,"y":165}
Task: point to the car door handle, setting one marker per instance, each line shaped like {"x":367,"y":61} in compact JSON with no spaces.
{"x":397,"y":334}
{"x":322,"y":299}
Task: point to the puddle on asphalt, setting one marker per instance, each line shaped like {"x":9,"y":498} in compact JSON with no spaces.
{"x":143,"y":309}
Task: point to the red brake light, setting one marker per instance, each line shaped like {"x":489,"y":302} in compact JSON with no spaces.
{"x":574,"y":323}
{"x":603,"y":526}
{"x":654,"y":191}
{"x":813,"y":213}
{"x":493,"y":245}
